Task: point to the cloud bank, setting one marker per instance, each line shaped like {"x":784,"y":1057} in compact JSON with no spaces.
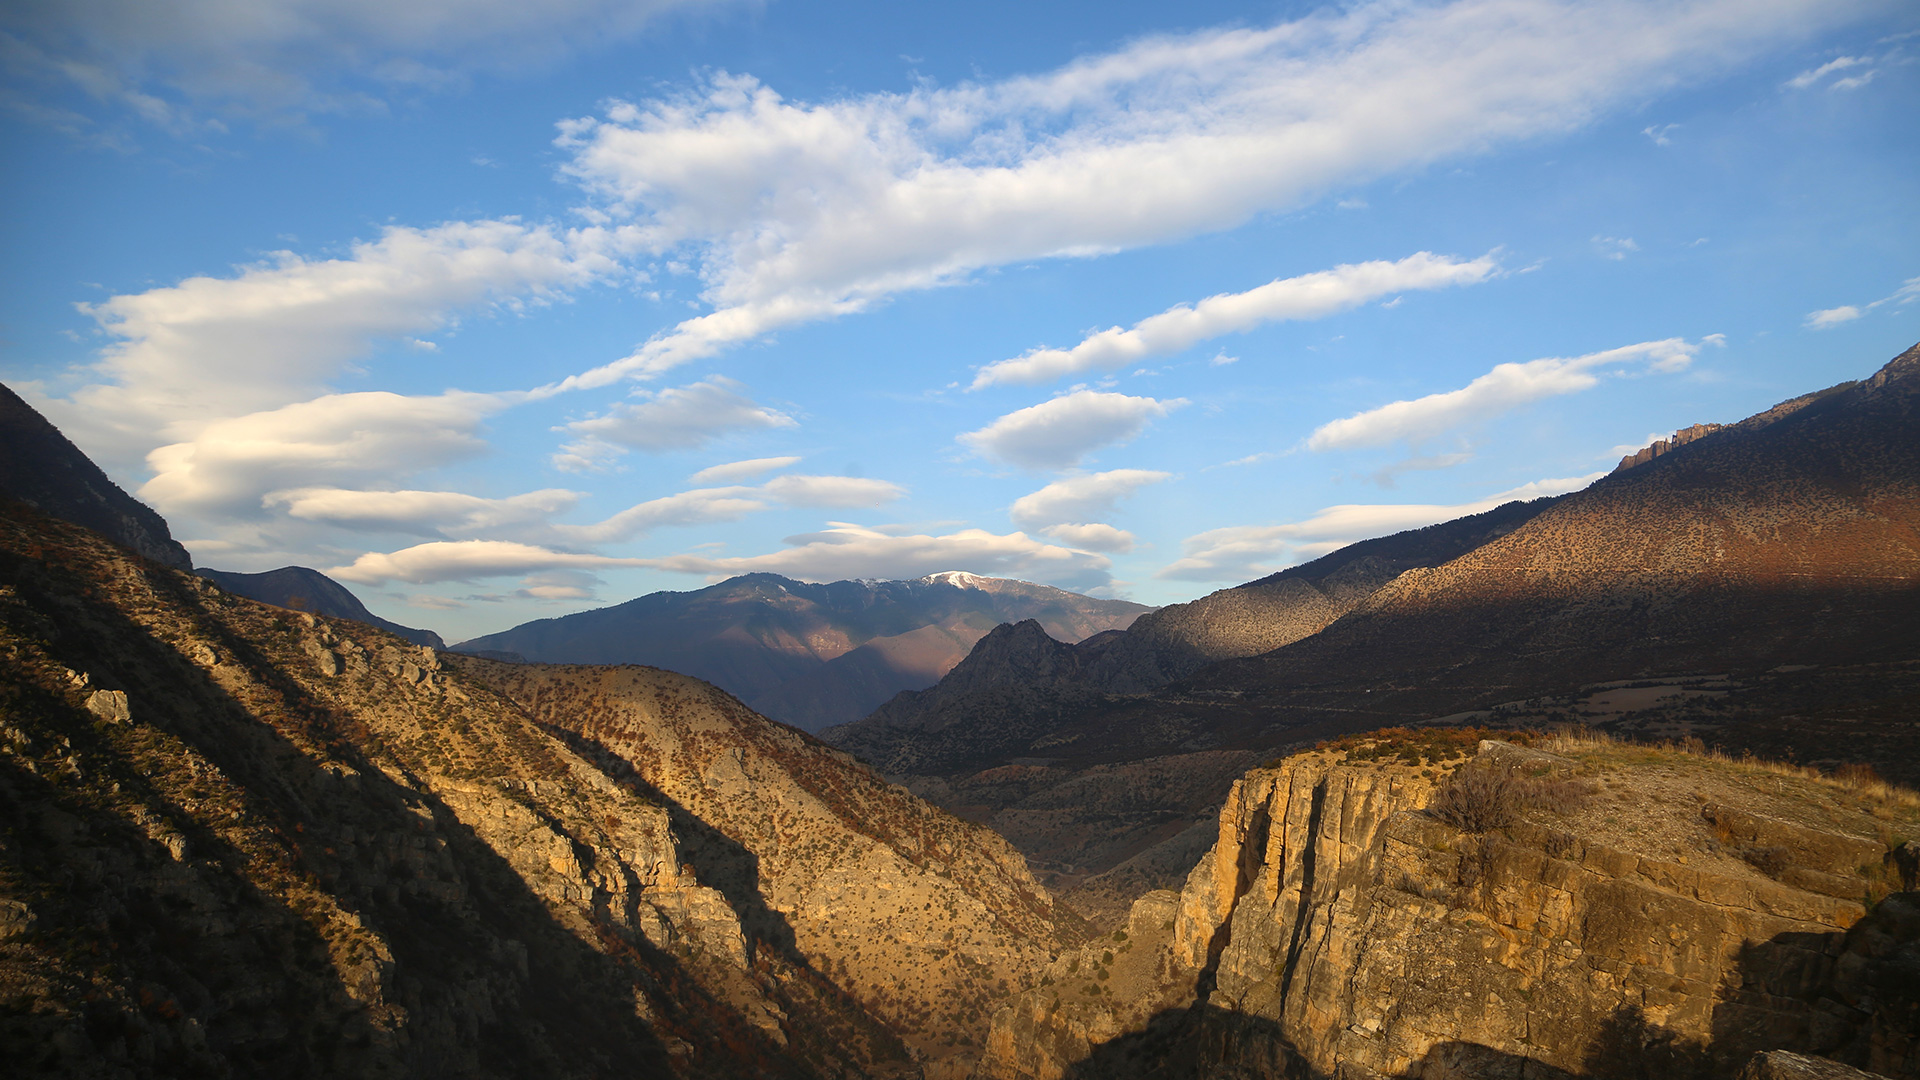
{"x":1308,"y":296}
{"x":1057,"y":434}
{"x":794,"y":211}
{"x":1506,"y":387}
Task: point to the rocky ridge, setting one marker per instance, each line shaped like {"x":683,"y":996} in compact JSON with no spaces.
{"x":42,"y":468}
{"x":305,"y":589}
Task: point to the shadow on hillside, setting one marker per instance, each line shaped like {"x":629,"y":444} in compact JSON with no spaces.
{"x":483,"y":981}
{"x":719,"y":861}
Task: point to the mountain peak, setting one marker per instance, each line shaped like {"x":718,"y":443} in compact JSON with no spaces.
{"x":959,"y":579}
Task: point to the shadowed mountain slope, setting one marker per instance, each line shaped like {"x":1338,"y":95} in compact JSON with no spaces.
{"x":809,"y":655}
{"x":302,"y":589}
{"x":42,"y":468}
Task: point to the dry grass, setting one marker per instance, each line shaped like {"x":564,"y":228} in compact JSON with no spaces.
{"x":1858,"y":780}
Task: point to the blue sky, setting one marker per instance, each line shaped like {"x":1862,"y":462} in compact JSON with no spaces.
{"x":496,"y":311}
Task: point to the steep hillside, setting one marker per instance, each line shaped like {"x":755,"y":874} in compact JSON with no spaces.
{"x":1780,"y":554}
{"x":302,"y":589}
{"x":240,"y":840}
{"x":42,"y":468}
{"x":1411,"y":907}
{"x":809,"y":655}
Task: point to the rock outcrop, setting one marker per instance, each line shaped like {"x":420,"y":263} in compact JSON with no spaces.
{"x":1340,"y":928}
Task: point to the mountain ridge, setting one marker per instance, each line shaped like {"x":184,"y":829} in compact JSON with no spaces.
{"x":808,"y":654}
{"x":302,"y":588}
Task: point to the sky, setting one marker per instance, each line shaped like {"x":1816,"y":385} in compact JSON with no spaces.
{"x":497,"y":311}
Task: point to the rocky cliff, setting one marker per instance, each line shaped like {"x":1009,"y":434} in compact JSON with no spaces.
{"x":1630,"y":912}
{"x":241,"y":840}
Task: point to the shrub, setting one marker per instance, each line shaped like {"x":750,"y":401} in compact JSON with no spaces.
{"x":1478,"y":800}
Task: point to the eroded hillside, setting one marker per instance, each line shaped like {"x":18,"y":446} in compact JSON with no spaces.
{"x":930,"y":922}
{"x":241,"y":840}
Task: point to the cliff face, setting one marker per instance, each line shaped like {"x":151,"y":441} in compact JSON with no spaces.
{"x":241,"y":840}
{"x":1669,"y":916}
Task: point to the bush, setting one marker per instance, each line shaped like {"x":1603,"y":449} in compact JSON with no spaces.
{"x":1478,"y":800}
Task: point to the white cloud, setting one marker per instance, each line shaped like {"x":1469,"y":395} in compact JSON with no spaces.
{"x":703,"y":505}
{"x":1507,"y":386}
{"x":1821,"y":320}
{"x":1309,"y":296}
{"x":833,"y":491}
{"x":792,"y":211}
{"x":467,"y":560}
{"x":741,"y":470}
{"x":1081,"y":498}
{"x":1092,"y":537}
{"x":1808,"y":78}
{"x":211,"y":348}
{"x":851,"y":551}
{"x":164,"y":62}
{"x":1907,"y":293}
{"x":696,"y":507}
{"x":1245,"y":552}
{"x":420,"y":512}
{"x":231,"y":465}
{"x":1615,"y":247}
{"x":1057,"y":434}
{"x":672,"y":419}
{"x":1660,"y":133}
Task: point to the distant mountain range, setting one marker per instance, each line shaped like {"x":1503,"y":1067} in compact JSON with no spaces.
{"x":805,"y":654}
{"x":1779,"y":555}
{"x":304,"y":589}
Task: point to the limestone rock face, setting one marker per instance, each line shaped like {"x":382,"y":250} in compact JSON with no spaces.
{"x":1339,"y":929}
